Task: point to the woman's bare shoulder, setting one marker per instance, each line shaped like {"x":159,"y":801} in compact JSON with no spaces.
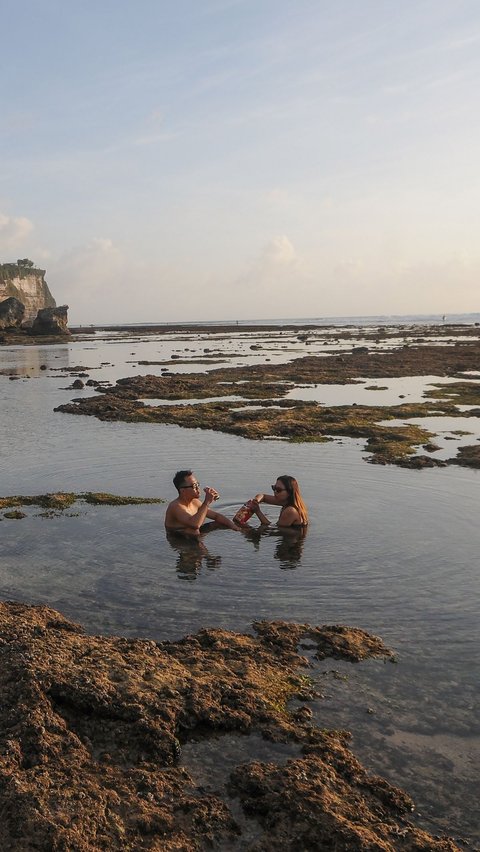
{"x":289,"y":516}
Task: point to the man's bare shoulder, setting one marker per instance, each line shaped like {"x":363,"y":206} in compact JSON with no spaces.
{"x":177,"y":511}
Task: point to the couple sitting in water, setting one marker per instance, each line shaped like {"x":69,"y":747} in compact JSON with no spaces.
{"x":188,"y":512}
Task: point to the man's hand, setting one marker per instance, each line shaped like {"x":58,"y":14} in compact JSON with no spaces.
{"x":210,"y":495}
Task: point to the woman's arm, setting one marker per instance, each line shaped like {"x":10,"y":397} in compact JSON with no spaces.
{"x":258,"y":512}
{"x":267,"y":498}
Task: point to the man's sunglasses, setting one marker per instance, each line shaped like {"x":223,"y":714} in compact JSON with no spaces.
{"x":193,"y":485}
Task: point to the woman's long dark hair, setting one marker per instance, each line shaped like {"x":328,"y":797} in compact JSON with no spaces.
{"x":294,"y":497}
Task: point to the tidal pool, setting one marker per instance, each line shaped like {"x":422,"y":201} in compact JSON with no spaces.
{"x":392,"y":551}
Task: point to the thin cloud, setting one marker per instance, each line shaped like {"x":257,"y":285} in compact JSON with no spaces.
{"x":89,"y":271}
{"x":277,"y":265}
{"x":279,"y":253}
{"x":14,"y":231}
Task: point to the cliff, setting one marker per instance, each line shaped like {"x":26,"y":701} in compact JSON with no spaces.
{"x":25,"y":282}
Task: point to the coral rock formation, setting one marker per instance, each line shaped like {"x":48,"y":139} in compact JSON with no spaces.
{"x":91,"y":730}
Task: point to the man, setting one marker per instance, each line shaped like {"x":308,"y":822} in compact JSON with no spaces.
{"x":187,"y":513}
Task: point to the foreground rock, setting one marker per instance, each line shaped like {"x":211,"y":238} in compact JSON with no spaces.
{"x":91,"y":730}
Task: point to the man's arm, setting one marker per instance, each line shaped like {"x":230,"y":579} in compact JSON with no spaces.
{"x":222,"y":519}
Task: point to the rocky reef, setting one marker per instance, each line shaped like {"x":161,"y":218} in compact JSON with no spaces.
{"x":266,"y":413}
{"x":92,"y":729}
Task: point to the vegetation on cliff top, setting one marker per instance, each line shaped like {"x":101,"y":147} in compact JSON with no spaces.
{"x":21,"y":269}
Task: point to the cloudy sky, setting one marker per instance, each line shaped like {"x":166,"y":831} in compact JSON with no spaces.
{"x":173,"y":160}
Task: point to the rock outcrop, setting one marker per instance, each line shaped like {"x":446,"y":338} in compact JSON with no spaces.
{"x":51,"y":321}
{"x":25,"y":282}
{"x":12,"y":313}
{"x":92,"y":728}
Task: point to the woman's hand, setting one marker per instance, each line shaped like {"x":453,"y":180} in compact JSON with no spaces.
{"x":258,"y":498}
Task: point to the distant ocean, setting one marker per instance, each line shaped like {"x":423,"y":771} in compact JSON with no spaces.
{"x":384,"y":319}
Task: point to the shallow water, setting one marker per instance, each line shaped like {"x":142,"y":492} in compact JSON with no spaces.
{"x":384,"y":391}
{"x":393,"y":551}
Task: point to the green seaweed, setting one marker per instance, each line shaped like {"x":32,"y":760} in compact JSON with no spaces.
{"x":61,"y":500}
{"x":460,"y":393}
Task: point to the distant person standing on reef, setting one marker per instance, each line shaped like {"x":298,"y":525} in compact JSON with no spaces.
{"x":286,"y":494}
{"x":187,"y":513}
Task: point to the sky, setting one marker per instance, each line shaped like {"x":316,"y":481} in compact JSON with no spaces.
{"x":243,"y":159}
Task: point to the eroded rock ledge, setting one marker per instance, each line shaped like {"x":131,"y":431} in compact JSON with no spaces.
{"x":91,"y":730}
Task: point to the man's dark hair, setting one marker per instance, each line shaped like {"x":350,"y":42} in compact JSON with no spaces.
{"x":180,"y":478}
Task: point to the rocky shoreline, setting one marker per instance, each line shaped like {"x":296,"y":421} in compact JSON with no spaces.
{"x":92,"y":730}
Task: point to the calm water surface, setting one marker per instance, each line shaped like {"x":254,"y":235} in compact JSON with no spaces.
{"x":393,"y":551}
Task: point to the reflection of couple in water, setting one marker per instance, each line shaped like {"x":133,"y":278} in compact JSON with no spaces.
{"x":289,"y":542}
{"x":186,"y":516}
{"x":192,"y":553}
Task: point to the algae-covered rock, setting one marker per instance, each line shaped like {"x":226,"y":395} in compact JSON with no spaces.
{"x":265,"y":413}
{"x":60,"y":500}
{"x":467,"y":456}
{"x":91,"y":730}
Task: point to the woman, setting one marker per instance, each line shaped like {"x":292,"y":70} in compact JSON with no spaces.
{"x":286,"y":494}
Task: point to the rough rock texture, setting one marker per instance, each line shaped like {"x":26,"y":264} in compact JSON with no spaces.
{"x":12,"y":313}
{"x":468,"y":456}
{"x":91,"y":731}
{"x":28,"y":285}
{"x":326,"y":801}
{"x":51,"y":321}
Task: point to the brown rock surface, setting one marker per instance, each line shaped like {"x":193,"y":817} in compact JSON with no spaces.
{"x":90,"y":733}
{"x":12,"y":312}
{"x":468,"y":456}
{"x":51,"y":321}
